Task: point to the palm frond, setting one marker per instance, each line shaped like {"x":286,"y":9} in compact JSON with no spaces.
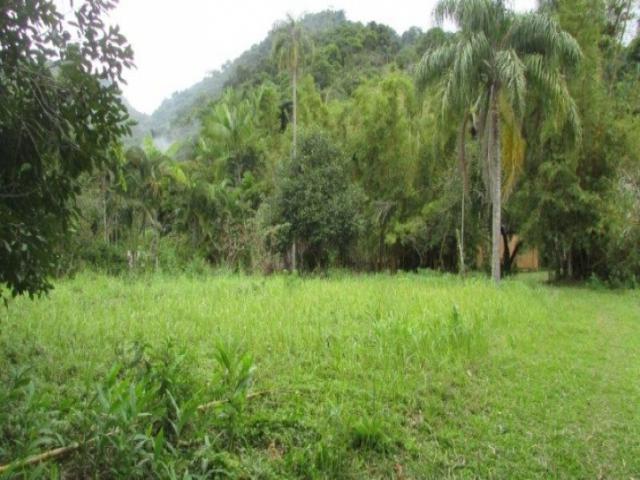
{"x":435,"y":63}
{"x":291,"y":40}
{"x":541,"y":34}
{"x":512,"y":144}
{"x":481,"y":109}
{"x":470,"y":15}
{"x":554,"y":87}
{"x":511,"y":73}
{"x":449,"y":94}
{"x":474,"y":53}
{"x":454,"y":91}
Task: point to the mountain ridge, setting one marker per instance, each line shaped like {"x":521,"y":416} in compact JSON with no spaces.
{"x":172,"y":121}
{"x":177,"y":116}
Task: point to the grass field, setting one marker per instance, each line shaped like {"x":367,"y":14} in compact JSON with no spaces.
{"x":407,"y":377}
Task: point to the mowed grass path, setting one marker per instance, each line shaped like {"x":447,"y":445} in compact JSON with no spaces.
{"x":407,"y":376}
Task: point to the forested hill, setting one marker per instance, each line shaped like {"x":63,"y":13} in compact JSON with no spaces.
{"x":345,"y":53}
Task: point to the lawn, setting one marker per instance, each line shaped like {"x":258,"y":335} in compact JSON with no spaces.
{"x":405,"y":376}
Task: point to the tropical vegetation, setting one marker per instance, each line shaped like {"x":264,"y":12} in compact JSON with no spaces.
{"x":516,"y":129}
{"x":308,"y":265}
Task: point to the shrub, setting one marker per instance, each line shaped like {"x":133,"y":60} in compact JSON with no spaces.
{"x":315,"y":205}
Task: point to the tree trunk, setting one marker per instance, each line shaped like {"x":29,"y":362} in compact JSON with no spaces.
{"x":380,"y":249}
{"x":465,"y":188}
{"x":295,"y":107}
{"x":156,"y":240}
{"x":104,"y":209}
{"x":508,"y":256}
{"x":496,"y":186}
{"x":294,"y":147}
{"x":570,"y":264}
{"x":294,"y":254}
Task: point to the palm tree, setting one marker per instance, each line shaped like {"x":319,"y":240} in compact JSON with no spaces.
{"x":228,"y":131}
{"x":148,"y":176}
{"x":289,"y":46}
{"x":291,"y":41}
{"x":487,"y":67}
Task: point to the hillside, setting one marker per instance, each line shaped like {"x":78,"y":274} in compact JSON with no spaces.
{"x":345,"y":53}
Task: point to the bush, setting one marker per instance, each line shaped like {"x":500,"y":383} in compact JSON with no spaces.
{"x":148,"y":418}
{"x":171,"y":254}
{"x":315,"y":204}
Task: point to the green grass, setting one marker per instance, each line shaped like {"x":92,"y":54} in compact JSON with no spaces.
{"x":407,"y":376}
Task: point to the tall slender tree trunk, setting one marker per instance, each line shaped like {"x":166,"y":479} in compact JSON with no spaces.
{"x":380,"y":250}
{"x":294,"y":82}
{"x":460,"y":235}
{"x":104,"y":209}
{"x":294,"y":254}
{"x":294,"y":148}
{"x":496,"y":185}
{"x":465,"y":188}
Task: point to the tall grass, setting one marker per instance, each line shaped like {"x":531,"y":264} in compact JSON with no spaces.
{"x":407,"y":376}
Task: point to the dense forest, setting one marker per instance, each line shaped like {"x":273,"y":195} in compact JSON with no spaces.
{"x":338,"y":144}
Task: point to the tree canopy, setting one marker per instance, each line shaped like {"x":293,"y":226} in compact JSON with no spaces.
{"x":488,"y":67}
{"x":60,"y":116}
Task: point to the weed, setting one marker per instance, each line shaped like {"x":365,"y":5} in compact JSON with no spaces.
{"x":369,"y":433}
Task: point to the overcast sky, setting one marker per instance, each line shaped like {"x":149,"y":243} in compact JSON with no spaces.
{"x":177,"y":42}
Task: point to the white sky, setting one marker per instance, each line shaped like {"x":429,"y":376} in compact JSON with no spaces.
{"x":177,"y":42}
